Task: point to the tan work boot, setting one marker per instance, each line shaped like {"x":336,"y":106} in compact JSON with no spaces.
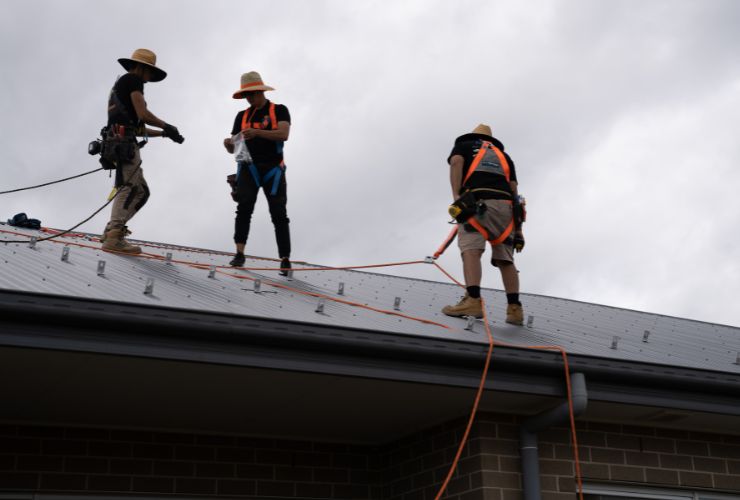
{"x":515,"y":314}
{"x":468,"y":306}
{"x":103,"y":236}
{"x":115,"y":242}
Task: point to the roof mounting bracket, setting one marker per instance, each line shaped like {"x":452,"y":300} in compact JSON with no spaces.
{"x":149,"y":287}
{"x":320,"y":306}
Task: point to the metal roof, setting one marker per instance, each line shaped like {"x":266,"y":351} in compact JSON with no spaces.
{"x":184,"y":282}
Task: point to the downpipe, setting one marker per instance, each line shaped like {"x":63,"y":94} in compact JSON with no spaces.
{"x":531,"y":426}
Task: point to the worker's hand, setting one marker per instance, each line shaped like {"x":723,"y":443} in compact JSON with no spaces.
{"x":518,"y":241}
{"x":250,"y":133}
{"x":171,"y":132}
{"x":229,"y":145}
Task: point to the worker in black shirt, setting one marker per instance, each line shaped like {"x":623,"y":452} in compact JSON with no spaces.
{"x":128,"y":116}
{"x":480,"y":168}
{"x":263,"y":127}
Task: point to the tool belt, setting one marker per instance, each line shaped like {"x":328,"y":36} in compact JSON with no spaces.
{"x":118,"y":146}
{"x":465,"y":207}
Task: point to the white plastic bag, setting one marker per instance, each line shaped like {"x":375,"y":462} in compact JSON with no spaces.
{"x":241,"y":153}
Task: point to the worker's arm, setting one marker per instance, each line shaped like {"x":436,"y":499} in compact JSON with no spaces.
{"x":143,"y":113}
{"x":153,"y":132}
{"x":457,"y":163}
{"x":278,"y":135}
{"x":513,"y":185}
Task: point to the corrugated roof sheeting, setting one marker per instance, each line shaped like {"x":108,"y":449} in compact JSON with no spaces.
{"x":581,"y":328}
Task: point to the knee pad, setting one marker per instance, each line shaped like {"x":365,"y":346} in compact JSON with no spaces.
{"x":144,"y":197}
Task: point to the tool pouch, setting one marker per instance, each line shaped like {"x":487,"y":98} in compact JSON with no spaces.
{"x":465,"y":207}
{"x":520,"y":211}
{"x":231,"y":180}
{"x":117,"y":148}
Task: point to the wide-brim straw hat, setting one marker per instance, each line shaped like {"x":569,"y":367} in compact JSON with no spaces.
{"x":250,"y":82}
{"x":483,"y":129}
{"x":147,"y":58}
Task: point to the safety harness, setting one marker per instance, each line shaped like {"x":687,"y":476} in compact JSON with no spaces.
{"x":464,"y":210}
{"x":118,"y":143}
{"x":269,"y":122}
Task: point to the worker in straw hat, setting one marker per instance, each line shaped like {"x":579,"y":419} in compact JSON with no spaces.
{"x":484,"y":183}
{"x":128,"y":116}
{"x":257,"y":139}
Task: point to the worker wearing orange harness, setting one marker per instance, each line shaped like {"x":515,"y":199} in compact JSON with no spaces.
{"x":263,"y":127}
{"x":483,"y":176}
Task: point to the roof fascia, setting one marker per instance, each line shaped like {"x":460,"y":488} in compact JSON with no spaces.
{"x":64,"y":323}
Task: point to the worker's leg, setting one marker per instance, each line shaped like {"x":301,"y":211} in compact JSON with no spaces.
{"x":278,"y":205}
{"x":471,"y":245}
{"x":509,"y":276}
{"x":472,"y":269}
{"x":246,"y":193}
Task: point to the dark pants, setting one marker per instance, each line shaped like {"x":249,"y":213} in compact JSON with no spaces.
{"x":247,"y":191}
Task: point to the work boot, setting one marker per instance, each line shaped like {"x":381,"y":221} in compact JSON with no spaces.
{"x":284,"y":266}
{"x":515,"y":314}
{"x":115,"y":242}
{"x":468,"y":306}
{"x":238,"y":260}
{"x":103,"y":236}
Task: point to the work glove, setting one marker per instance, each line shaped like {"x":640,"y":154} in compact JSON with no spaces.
{"x":171,"y":132}
{"x":518,"y":242}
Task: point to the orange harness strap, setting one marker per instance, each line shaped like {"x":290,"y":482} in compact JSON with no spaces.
{"x":247,"y":118}
{"x":486,"y":146}
{"x":481,"y":153}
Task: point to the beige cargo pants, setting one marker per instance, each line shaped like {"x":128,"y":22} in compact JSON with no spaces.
{"x":132,"y":194}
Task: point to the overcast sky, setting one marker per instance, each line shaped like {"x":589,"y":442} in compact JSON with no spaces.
{"x":622,"y":118}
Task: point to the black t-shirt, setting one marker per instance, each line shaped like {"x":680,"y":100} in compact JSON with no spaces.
{"x":467,"y":146}
{"x":123,"y":88}
{"x":265,"y":153}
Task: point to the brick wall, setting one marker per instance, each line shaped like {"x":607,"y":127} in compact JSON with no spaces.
{"x":643,"y":455}
{"x":53,"y":459}
{"x":490,"y":467}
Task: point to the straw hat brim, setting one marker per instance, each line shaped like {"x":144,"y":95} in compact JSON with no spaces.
{"x":158,"y":74}
{"x":239,"y":93}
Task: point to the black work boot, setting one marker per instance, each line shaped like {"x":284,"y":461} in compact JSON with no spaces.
{"x":284,"y":266}
{"x":238,"y":260}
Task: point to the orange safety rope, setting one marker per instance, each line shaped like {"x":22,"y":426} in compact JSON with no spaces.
{"x":492,"y":343}
{"x":199,"y":265}
{"x":474,"y":411}
{"x":341,"y":301}
{"x":489,"y":354}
